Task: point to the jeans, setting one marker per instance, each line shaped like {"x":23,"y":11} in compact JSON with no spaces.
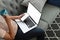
{"x":37,"y":32}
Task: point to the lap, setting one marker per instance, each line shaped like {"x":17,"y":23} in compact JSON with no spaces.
{"x":33,"y":33}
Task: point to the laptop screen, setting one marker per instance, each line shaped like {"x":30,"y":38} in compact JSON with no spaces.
{"x":29,"y":22}
{"x":34,"y":13}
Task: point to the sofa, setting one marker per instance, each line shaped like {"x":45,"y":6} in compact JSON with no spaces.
{"x":49,"y":12}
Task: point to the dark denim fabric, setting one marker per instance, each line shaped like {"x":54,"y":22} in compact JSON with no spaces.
{"x":39,"y":33}
{"x":54,"y":2}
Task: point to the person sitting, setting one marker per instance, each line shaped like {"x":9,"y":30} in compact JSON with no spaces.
{"x":36,"y":32}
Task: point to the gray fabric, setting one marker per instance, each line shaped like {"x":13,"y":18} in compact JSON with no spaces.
{"x":43,"y":25}
{"x":11,"y":5}
{"x":39,"y":4}
{"x":49,"y":13}
{"x":25,"y":2}
{"x":8,"y":4}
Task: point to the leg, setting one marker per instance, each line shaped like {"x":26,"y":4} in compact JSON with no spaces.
{"x":19,"y":34}
{"x":39,"y":33}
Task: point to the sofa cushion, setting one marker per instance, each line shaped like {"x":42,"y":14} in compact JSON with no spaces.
{"x":37,"y":3}
{"x":12,"y":6}
{"x":43,"y":25}
{"x":49,"y":13}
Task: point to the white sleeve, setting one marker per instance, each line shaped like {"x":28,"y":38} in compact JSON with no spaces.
{"x":2,"y":33}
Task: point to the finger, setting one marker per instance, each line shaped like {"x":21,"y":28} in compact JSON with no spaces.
{"x":22,"y":15}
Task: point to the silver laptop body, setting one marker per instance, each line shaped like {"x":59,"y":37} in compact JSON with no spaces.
{"x":30,"y":20}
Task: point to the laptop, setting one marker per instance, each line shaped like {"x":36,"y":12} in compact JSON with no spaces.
{"x":30,"y":20}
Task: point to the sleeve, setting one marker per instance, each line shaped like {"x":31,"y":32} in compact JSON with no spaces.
{"x":2,"y":33}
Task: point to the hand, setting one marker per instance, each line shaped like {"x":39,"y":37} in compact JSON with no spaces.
{"x":20,"y":16}
{"x":15,"y":17}
{"x":8,"y":37}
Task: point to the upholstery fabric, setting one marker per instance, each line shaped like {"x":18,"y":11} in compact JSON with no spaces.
{"x":39,"y":4}
{"x":11,"y":5}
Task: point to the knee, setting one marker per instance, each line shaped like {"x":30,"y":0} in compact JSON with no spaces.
{"x":41,"y":32}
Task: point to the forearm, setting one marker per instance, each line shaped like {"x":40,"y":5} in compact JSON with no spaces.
{"x":7,"y":36}
{"x":10,"y":26}
{"x":13,"y":17}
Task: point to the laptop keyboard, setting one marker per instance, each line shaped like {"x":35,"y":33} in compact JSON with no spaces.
{"x":29,"y":22}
